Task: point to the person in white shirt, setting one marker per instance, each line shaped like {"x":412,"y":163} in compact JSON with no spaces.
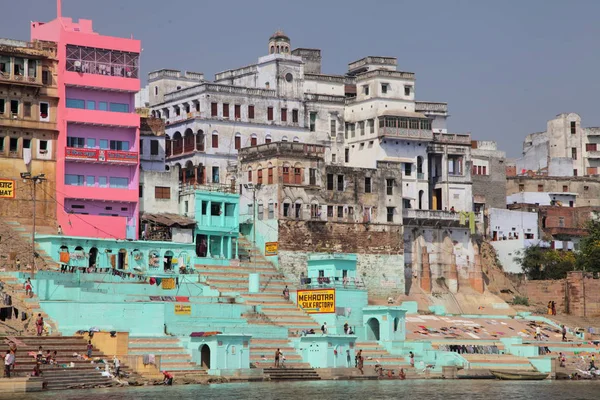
{"x":538,"y":333}
{"x":9,"y":360}
{"x":117,"y":365}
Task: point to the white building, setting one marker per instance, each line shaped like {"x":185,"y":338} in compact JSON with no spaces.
{"x":564,"y":199}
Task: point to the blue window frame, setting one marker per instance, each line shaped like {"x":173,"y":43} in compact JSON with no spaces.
{"x":118,"y":183}
{"x":91,"y":105}
{"x":119,"y":107}
{"x":90,"y":181}
{"x":102,"y":106}
{"x":90,"y":143}
{"x":75,"y":103}
{"x":104,"y":144}
{"x":102,"y":182}
{"x":76,"y":180}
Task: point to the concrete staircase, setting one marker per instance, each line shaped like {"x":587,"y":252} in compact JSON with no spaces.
{"x":292,"y":374}
{"x":373,"y":354}
{"x":83,"y":373}
{"x":270,"y":309}
{"x":16,"y":239}
{"x":173,"y":356}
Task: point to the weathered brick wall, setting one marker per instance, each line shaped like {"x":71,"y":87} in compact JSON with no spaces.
{"x":379,"y":250}
{"x":568,"y":294}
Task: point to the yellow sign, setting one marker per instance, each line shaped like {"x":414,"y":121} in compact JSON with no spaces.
{"x":181,"y":309}
{"x":318,"y":301}
{"x":7,"y":189}
{"x":168,"y":283}
{"x":271,"y":248}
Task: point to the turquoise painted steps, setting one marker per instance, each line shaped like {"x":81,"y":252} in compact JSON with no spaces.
{"x":174,"y":357}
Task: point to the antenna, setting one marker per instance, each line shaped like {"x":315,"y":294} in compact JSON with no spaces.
{"x":58,"y":8}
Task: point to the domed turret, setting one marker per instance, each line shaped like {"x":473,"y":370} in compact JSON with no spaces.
{"x":279,"y":42}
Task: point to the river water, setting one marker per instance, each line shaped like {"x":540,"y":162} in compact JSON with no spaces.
{"x":342,"y":390}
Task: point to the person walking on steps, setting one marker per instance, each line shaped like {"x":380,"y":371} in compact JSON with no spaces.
{"x":117,"y":365}
{"x":411,"y":355}
{"x":563,"y":330}
{"x":9,"y":360}
{"x":39,"y":324}
{"x":277,"y":355}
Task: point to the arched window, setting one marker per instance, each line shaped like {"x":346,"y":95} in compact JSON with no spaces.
{"x":200,"y":140}
{"x":260,"y":210}
{"x":419,"y":166}
{"x":177,"y":143}
{"x":253,"y":140}
{"x":298,"y":174}
{"x":296,"y":139}
{"x":249,"y":174}
{"x":238,"y":141}
{"x":287,"y":173}
{"x":189,"y":141}
{"x":271,"y":209}
{"x":287,"y":208}
{"x":284,"y":139}
{"x":298,"y":209}
{"x":259,"y":175}
{"x":272,"y":50}
{"x":268,"y":138}
{"x":215,"y":140}
{"x":167,"y":146}
{"x":270,"y":174}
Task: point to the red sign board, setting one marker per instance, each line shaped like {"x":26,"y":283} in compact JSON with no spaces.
{"x":81,"y":154}
{"x":127,"y":157}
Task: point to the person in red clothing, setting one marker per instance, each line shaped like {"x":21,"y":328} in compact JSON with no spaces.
{"x":39,"y":324}
{"x":168,"y":378}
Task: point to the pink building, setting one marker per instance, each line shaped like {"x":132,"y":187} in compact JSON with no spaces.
{"x":97,"y":171}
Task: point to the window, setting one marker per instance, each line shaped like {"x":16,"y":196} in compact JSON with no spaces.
{"x":253,"y":141}
{"x":340,"y":183}
{"x":407,"y":169}
{"x":540,"y":188}
{"x":295,"y":116}
{"x":286,"y":209}
{"x":250,"y":175}
{"x":329,"y":181}
{"x":284,"y":115}
{"x":13,"y":145}
{"x":90,"y":105}
{"x":43,"y":145}
{"x":384,"y":88}
{"x":390,"y":214}
{"x":561,"y":222}
{"x":565,"y":188}
{"x":238,"y":142}
{"x":102,"y":106}
{"x":237,"y":110}
{"x":154,"y":147}
{"x":333,"y":158}
{"x":2,"y":106}
{"x":521,"y":187}
{"x":347,"y":155}
{"x":215,"y":174}
{"x":27,"y":143}
{"x":330,"y":211}
{"x":103,"y":182}
{"x":76,"y":180}
{"x":313,"y":121}
{"x":455,"y":165}
{"x":119,"y":107}
{"x":214,"y":109}
{"x":118,"y":183}
{"x":46,"y":77}
{"x":574,"y":153}
{"x":250,"y":112}
{"x":141,"y":146}
{"x":91,"y":143}
{"x":312,"y":176}
{"x":573,"y":127}
{"x":259,"y":177}
{"x":104,"y":144}
{"x":574,"y":172}
{"x":367,"y":184}
{"x":75,"y":103}
{"x":14,"y":107}
{"x":406,"y":203}
{"x":271,"y":210}
{"x":298,"y":176}
{"x":270,"y":113}
{"x":389,"y":185}
{"x":90,"y":181}
{"x":44,"y":112}
{"x":76,"y":142}
{"x":268,"y":139}
{"x":26,"y":109}
{"x":361,"y":128}
{"x":484,"y":170}
{"x":270,"y":176}
{"x":314,"y":211}
{"x":588,"y":146}
{"x":586,"y":188}
{"x":162,"y":192}
{"x":350,"y":212}
{"x":120,"y":145}
{"x":340,"y":211}
{"x":298,"y":210}
{"x":156,"y":90}
{"x":215,"y":141}
{"x":286,"y":175}
{"x":407,"y":90}
{"x":225,"y":110}
{"x":332,"y":127}
{"x":371,"y":124}
{"x":365,"y":90}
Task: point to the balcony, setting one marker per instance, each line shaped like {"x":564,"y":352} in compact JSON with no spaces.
{"x":593,"y":154}
{"x":102,"y":118}
{"x":453,"y":138}
{"x":406,"y":133}
{"x":105,"y":194}
{"x":14,"y":121}
{"x":436,"y":217}
{"x":101,"y":156}
{"x":20,"y":79}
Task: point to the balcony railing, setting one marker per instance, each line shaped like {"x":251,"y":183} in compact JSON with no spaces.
{"x":453,"y":138}
{"x":101,"y":156}
{"x":437,"y":215}
{"x":593,"y":154}
{"x":408,"y":133}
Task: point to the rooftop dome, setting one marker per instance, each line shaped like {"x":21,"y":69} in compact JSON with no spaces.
{"x":279,"y":34}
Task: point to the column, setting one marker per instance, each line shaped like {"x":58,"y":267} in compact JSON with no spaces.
{"x":222,"y":214}
{"x":208,"y":213}
{"x":208,"y":246}
{"x":195,"y":170}
{"x":222,"y":243}
{"x":425,"y":272}
{"x":236,"y":248}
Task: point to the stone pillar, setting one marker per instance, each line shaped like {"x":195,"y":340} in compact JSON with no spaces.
{"x":476,"y":275}
{"x":222,"y":244}
{"x":208,"y":246}
{"x":236,"y":248}
{"x":425,"y":271}
{"x":453,"y":276}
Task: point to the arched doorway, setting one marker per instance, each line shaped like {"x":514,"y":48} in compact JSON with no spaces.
{"x":396,"y":322}
{"x":122,"y":259}
{"x":421,"y":193}
{"x":168,"y":258}
{"x":205,"y":356}
{"x":373,"y":329}
{"x":93,"y":257}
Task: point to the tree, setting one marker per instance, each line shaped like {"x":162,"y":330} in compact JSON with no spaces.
{"x":588,"y":258}
{"x":541,"y":263}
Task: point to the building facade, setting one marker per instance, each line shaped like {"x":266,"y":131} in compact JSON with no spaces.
{"x":488,"y":172}
{"x":97,"y":167}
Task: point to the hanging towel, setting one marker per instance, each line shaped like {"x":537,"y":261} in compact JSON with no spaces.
{"x":472,"y":222}
{"x":27,"y":156}
{"x":158,"y":281}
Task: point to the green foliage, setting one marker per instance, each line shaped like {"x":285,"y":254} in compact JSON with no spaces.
{"x":540,"y":263}
{"x":588,"y":258}
{"x":520,"y":301}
